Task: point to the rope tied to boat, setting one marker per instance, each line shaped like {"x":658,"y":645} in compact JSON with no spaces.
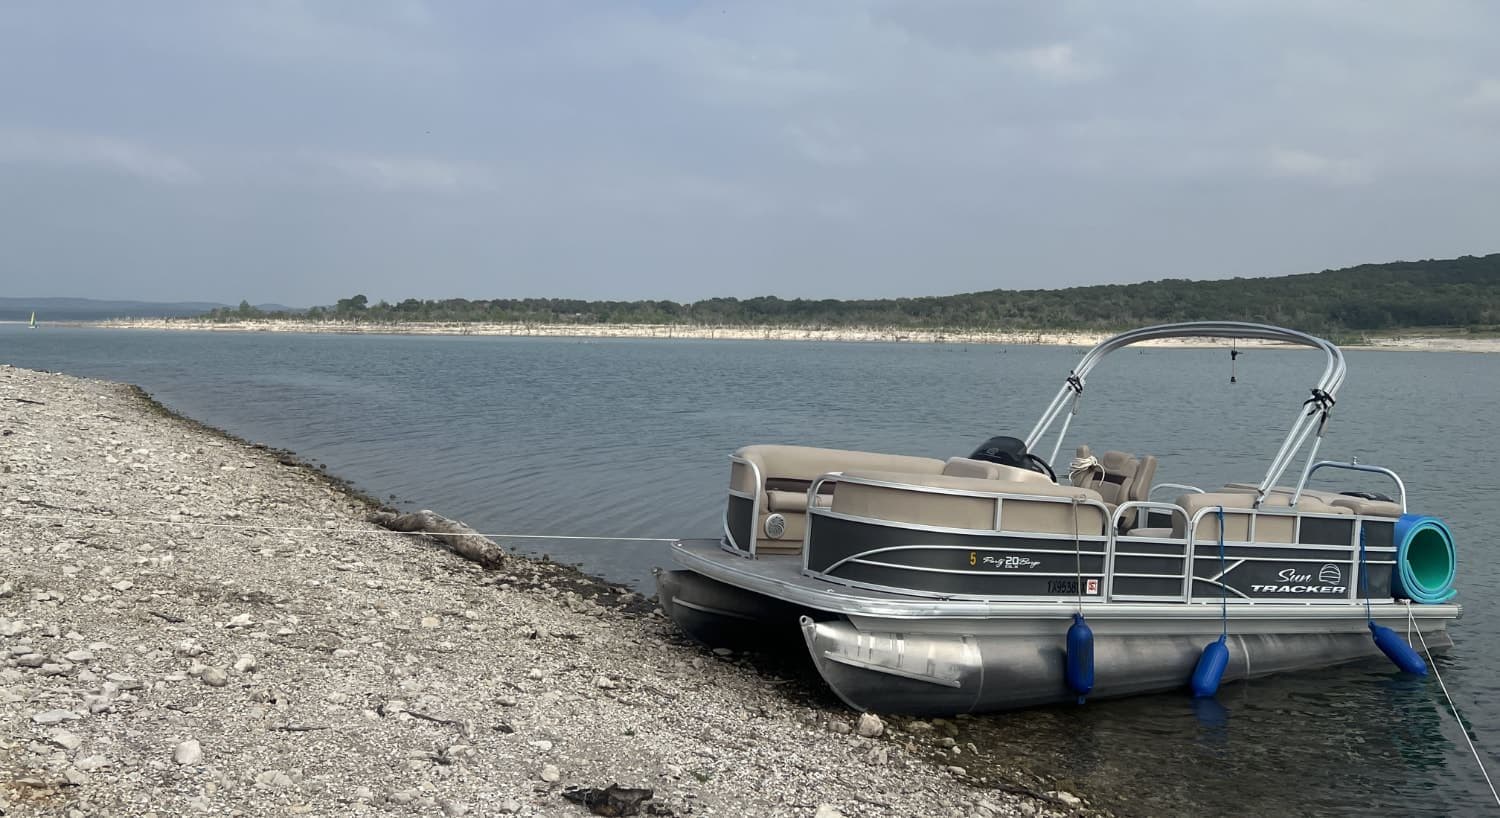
{"x":1078,"y":552}
{"x":1223,"y":582}
{"x":1411,"y":627}
{"x":1086,"y":465}
{"x":85,"y":518}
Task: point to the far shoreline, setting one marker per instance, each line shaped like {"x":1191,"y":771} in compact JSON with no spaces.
{"x":1067,"y":338}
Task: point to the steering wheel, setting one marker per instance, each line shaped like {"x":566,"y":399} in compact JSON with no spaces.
{"x":1037,"y":464}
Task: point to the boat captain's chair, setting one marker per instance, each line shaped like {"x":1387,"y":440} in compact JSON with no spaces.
{"x":1118,"y":477}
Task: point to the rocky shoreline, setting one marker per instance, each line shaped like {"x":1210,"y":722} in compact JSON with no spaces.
{"x":1435,"y":343}
{"x":193,"y":625}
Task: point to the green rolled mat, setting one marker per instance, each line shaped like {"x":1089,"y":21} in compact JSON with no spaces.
{"x":1426,"y":560}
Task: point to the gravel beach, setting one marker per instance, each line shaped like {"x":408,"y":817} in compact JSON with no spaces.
{"x":268,"y":652}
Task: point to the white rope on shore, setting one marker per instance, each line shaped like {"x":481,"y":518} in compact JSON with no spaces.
{"x":373,"y":529}
{"x":1462,"y":728}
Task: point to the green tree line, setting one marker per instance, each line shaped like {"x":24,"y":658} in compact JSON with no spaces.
{"x":1444,"y":293}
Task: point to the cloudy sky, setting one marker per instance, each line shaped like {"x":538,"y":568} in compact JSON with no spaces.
{"x":303,"y":151}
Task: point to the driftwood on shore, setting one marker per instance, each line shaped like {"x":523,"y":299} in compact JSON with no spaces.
{"x":452,"y":534}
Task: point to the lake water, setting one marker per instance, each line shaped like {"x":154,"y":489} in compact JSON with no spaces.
{"x":629,"y":438}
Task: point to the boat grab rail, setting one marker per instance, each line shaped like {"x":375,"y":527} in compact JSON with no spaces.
{"x":1179,"y":486}
{"x":1254,"y":514}
{"x":760,"y":490}
{"x":998,"y":496}
{"x":1335,"y":464}
{"x":1149,"y":505}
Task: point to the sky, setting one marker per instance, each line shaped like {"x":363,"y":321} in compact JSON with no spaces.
{"x":299,"y":152}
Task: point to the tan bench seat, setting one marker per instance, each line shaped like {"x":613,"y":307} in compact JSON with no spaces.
{"x":1268,"y":527}
{"x":1356,"y":505}
{"x":803,"y":464}
{"x":906,"y":502}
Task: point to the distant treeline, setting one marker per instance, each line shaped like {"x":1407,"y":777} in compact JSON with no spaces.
{"x":1462,"y":292}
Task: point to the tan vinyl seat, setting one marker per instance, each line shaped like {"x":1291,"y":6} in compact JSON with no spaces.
{"x":904,"y":501}
{"x":1268,"y":528}
{"x":787,"y":471}
{"x":1121,"y":477}
{"x":1356,"y":505}
{"x":985,"y":470}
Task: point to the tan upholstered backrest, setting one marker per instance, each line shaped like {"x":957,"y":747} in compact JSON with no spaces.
{"x":804,"y":463}
{"x":906,"y":502}
{"x":984,"y":470}
{"x":1268,"y":527}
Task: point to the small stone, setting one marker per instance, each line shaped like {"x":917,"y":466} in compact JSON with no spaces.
{"x":1068,"y":798}
{"x":839,"y":727}
{"x":91,"y":763}
{"x":54,"y":716}
{"x":364,"y":794}
{"x":245,"y":663}
{"x":239,"y":621}
{"x":275,"y":779}
{"x":51,"y":669}
{"x":604,"y":683}
{"x":31,"y":660}
{"x":723,"y":652}
{"x":878,"y":756}
{"x":404,"y":796}
{"x":79,"y":656}
{"x":957,"y":770}
{"x":550,"y":773}
{"x":214,"y":677}
{"x":122,"y":585}
{"x":870,"y":725}
{"x":543,"y":745}
{"x":6,"y":589}
{"x":534,"y":673}
{"x":189,"y":648}
{"x":431,"y":622}
{"x":75,"y":776}
{"x":453,"y":809}
{"x":188,"y":753}
{"x":200,"y":803}
{"x":827,"y":811}
{"x":64,"y":739}
{"x":509,"y":806}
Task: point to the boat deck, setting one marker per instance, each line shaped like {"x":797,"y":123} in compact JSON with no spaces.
{"x":781,"y":577}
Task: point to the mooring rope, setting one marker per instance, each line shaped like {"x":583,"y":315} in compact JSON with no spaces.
{"x":1432,"y":663}
{"x":316,"y":529}
{"x":1077,"y":556}
{"x":1223,"y":584}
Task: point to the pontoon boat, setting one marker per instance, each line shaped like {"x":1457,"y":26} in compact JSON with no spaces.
{"x":925,"y":585}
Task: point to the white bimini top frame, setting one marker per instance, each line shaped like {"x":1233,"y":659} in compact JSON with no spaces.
{"x":1311,"y":416}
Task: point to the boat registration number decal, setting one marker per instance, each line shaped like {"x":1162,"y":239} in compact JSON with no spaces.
{"x":1004,"y":562}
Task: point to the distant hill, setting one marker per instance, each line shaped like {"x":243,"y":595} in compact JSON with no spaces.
{"x":1440,"y":293}
{"x":91,"y":309}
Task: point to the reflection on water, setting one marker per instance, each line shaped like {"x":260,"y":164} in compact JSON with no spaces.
{"x":628,"y":438}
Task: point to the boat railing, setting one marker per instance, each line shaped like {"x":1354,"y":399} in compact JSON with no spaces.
{"x":1343,"y":554}
{"x":732,"y":544}
{"x":1359,"y":467}
{"x":1099,"y":536}
{"x":1182,"y":487}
